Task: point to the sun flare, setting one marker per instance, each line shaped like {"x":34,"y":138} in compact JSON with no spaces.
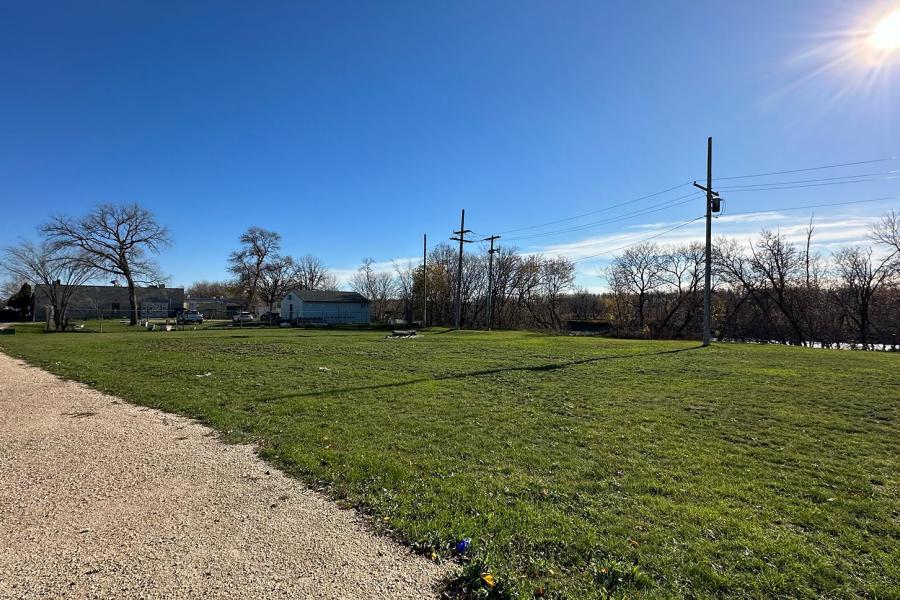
{"x":886,"y":35}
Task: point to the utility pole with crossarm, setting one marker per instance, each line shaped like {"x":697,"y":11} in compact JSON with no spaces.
{"x":424,"y":280}
{"x":461,"y":238}
{"x":713,"y":205}
{"x":490,"y":295}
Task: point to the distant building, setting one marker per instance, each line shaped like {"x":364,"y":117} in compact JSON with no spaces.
{"x":325,"y":307}
{"x":111,"y":302}
{"x":213,"y":307}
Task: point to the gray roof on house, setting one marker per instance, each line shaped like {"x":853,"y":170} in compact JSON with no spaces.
{"x":102,"y":294}
{"x":212,"y":299}
{"x":323,"y":296}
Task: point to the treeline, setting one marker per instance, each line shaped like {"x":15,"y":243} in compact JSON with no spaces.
{"x":528,"y":291}
{"x":767,"y":289}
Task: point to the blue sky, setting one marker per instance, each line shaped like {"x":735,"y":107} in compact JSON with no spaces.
{"x":353,"y":128}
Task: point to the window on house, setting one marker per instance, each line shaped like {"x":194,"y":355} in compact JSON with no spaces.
{"x":115,"y":306}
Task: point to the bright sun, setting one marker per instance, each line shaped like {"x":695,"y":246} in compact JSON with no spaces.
{"x":886,"y":35}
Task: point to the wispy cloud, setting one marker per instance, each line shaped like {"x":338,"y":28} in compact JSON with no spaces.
{"x":595,"y":252}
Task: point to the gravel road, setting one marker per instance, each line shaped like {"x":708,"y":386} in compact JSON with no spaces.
{"x":103,"y":499}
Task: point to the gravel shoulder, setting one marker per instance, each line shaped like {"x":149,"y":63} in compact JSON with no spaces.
{"x":103,"y":499}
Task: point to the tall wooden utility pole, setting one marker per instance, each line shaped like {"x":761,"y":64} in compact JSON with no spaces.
{"x":490,"y":313}
{"x":713,"y":204}
{"x":424,"y":280}
{"x":461,"y":238}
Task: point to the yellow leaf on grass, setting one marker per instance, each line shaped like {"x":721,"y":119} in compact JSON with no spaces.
{"x":488,"y":579}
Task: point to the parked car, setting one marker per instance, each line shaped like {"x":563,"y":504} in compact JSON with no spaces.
{"x":272,"y":318}
{"x":189,"y":316}
{"x":242,"y":317}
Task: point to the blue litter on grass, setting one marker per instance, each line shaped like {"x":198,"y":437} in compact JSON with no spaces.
{"x":463,"y":546}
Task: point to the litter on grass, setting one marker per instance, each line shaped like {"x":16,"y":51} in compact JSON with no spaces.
{"x":398,"y":334}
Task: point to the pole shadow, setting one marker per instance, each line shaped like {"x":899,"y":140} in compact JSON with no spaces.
{"x":478,"y":373}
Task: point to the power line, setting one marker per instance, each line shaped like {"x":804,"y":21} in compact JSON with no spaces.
{"x":738,"y":189}
{"x":687,"y":183}
{"x":641,"y":241}
{"x":599,"y":210}
{"x":653,"y":208}
{"x":783,"y":209}
{"x":834,"y":166}
{"x":791,"y":187}
{"x":755,"y":212}
{"x":672,"y":203}
{"x":815,"y":180}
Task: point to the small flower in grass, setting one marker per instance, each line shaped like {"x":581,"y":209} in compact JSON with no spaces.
{"x":488,"y":579}
{"x":463,"y":546}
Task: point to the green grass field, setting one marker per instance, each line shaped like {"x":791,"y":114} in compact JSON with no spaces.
{"x":580,"y":467}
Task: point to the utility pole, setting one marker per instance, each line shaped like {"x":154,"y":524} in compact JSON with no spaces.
{"x":424,"y":280}
{"x":490,"y":295}
{"x":713,"y":204}
{"x":461,"y":238}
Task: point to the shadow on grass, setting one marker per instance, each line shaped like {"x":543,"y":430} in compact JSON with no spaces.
{"x":478,"y":373}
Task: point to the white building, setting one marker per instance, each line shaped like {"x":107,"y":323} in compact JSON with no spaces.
{"x":325,"y":307}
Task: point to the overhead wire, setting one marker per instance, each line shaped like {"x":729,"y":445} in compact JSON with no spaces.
{"x":653,"y":208}
{"x":761,"y":186}
{"x":815,"y":180}
{"x":828,"y":204}
{"x":641,"y":241}
{"x":599,"y":210}
{"x":819,"y":168}
{"x":739,"y":189}
{"x":688,"y":222}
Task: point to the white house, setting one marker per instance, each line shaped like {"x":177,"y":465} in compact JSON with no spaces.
{"x":328,"y":307}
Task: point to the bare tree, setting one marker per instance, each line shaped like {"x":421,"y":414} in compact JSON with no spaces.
{"x":585,"y":305}
{"x":377,"y":286}
{"x":474,"y":287}
{"x":681,"y":270}
{"x":114,"y":239}
{"x":860,"y":278}
{"x":313,"y":275}
{"x":811,"y":293}
{"x":781,"y":266}
{"x":60,"y":270}
{"x":740,"y":285}
{"x":405,"y":286}
{"x":257,"y":245}
{"x":637,"y":273}
{"x":557,"y":277}
{"x":213,"y":289}
{"x":11,"y":285}
{"x":278,"y":276}
{"x":506,"y":264}
{"x":887,"y":232}
{"x":527,"y":284}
